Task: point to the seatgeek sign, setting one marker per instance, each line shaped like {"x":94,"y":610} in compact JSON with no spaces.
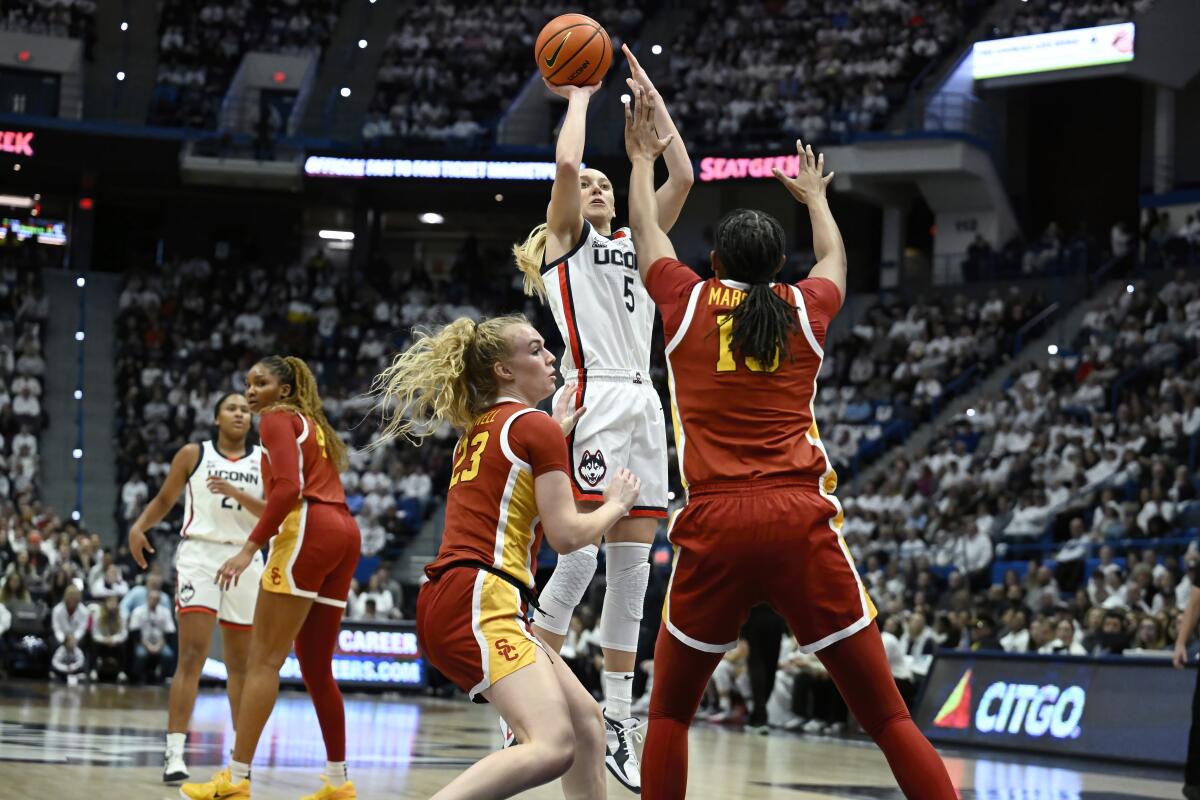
{"x":18,"y":143}
{"x":1078,"y":706}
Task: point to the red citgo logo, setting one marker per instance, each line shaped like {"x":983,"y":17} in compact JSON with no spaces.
{"x":956,"y":711}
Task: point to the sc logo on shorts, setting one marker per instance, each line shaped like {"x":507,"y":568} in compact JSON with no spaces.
{"x":276,"y":577}
{"x":506,"y":650}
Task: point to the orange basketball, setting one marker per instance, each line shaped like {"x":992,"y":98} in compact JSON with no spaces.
{"x":573,"y":50}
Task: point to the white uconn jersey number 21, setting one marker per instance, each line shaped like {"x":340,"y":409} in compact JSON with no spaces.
{"x":603,"y":312}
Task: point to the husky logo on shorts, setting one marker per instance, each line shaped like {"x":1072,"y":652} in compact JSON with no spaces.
{"x":186,"y":593}
{"x":592,"y":467}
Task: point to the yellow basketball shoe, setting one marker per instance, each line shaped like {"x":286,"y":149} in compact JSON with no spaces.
{"x":330,"y":792}
{"x":221,"y":787}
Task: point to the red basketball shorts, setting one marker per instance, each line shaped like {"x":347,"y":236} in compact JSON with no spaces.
{"x":314,"y":554}
{"x":471,"y":629}
{"x":775,"y":542}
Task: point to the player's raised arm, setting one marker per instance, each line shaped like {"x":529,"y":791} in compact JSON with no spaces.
{"x":809,"y":187}
{"x":161,"y":504}
{"x":564,"y":218}
{"x":672,"y":194}
{"x":644,"y":147}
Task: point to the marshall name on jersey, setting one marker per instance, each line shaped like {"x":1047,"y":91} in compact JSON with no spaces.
{"x":213,"y":517}
{"x":603,"y":312}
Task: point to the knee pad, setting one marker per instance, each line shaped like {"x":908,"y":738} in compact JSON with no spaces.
{"x":566,"y":588}
{"x":627,"y":568}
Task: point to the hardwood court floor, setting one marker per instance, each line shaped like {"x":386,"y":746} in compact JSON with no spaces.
{"x":81,"y":743}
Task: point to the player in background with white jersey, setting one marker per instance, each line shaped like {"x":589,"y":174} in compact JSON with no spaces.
{"x":588,"y":273}
{"x":224,"y":497}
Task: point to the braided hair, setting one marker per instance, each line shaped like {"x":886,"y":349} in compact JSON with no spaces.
{"x":304,"y":399}
{"x":750,"y":245}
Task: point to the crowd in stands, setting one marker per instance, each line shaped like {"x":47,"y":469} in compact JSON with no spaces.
{"x":201,"y":46}
{"x":66,"y":19}
{"x":775,"y":71}
{"x":1045,"y":16}
{"x":72,"y":608}
{"x":23,"y":311}
{"x":903,"y":361}
{"x":451,"y":68}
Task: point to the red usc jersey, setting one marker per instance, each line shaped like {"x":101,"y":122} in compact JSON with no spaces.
{"x":296,"y":465}
{"x":491,"y":512}
{"x":736,"y":419}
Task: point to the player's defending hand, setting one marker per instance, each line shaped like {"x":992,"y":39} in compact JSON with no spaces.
{"x":641,"y":140}
{"x":810,"y":182}
{"x":139,"y":545}
{"x":567,"y":92}
{"x":639,"y":74}
{"x":564,"y":416}
{"x":624,"y":489}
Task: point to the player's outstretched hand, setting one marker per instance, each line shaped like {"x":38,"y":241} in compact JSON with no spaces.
{"x":641,"y":140}
{"x":139,"y":545}
{"x":810,"y":181}
{"x":566,"y":92}
{"x":1180,"y":658}
{"x":638,"y":73}
{"x":624,"y":488}
{"x":563,"y":414}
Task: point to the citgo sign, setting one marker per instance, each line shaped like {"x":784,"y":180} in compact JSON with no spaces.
{"x":1057,"y":704}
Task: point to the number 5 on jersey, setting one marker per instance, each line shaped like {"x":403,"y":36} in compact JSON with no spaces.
{"x":725,"y":359}
{"x":477,"y":446}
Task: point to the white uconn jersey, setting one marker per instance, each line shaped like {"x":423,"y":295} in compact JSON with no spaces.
{"x":214,"y":517}
{"x":603,"y":312}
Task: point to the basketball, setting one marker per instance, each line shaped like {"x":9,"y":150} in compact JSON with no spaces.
{"x":573,"y":50}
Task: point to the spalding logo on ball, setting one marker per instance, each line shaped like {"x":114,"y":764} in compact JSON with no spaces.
{"x":573,"y":50}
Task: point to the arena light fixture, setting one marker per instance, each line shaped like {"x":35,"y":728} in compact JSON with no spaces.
{"x":81,"y":282}
{"x":124,"y":26}
{"x":362,"y":44}
{"x":79,"y":336}
{"x":77,"y":453}
{"x":121,"y":75}
{"x":625,"y":98}
{"x":79,"y":394}
{"x":16,"y":167}
{"x":337,"y":236}
{"x":16,"y":201}
{"x":970,"y":412}
{"x":499,"y":198}
{"x":1129,"y":289}
{"x":1052,"y":349}
{"x":75,"y":516}
{"x":432,"y":218}
{"x":656,"y":49}
{"x":345,"y":92}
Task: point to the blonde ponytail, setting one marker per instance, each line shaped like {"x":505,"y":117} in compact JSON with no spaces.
{"x":306,"y":400}
{"x":530,"y":256}
{"x":443,"y":376}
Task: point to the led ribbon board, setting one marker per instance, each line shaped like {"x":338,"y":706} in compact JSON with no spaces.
{"x":425,"y":169}
{"x":1047,"y":52}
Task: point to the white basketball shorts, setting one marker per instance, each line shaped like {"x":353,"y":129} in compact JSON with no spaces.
{"x":196,"y":565}
{"x":623,"y":427}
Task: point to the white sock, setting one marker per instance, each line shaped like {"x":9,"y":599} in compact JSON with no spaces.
{"x":238,"y":771}
{"x":335,"y":771}
{"x":175,"y":742}
{"x":618,"y":694}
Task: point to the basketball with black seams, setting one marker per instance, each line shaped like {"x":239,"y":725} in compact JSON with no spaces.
{"x":573,"y":50}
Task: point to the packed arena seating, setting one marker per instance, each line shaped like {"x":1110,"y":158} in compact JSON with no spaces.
{"x":774,"y":71}
{"x":1044,"y":16}
{"x":68,"y":19}
{"x":896,"y":368}
{"x":452,"y":68}
{"x":202,"y":44}
{"x":23,"y":311}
